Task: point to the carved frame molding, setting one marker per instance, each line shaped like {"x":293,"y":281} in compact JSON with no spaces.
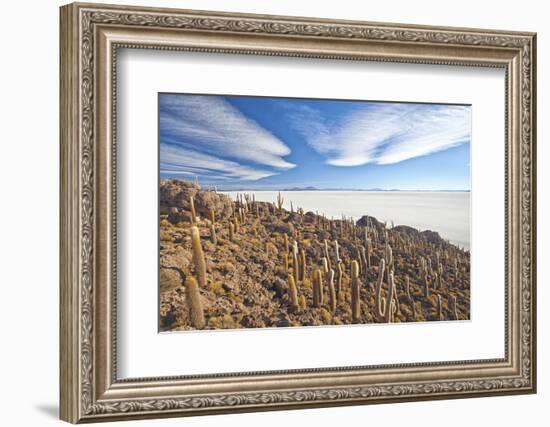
{"x":90,"y":36}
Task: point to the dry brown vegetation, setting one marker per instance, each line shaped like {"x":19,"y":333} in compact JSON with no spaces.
{"x":247,"y":264}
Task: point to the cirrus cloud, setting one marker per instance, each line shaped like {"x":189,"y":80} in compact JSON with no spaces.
{"x":175,"y":161}
{"x":383,"y":133}
{"x":209,"y":131}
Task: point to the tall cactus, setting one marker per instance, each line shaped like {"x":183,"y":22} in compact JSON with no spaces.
{"x":424,"y":273}
{"x":359,"y":259}
{"x":339,"y":282}
{"x":439,"y":307}
{"x":421,"y":266}
{"x":331,"y":291}
{"x":363,"y":256}
{"x":389,"y":256}
{"x":396,"y":296}
{"x":302,"y":302}
{"x":413,"y":307}
{"x":324,"y":264}
{"x":408,"y":287}
{"x":456,"y":270}
{"x":198,"y":256}
{"x":242,"y":216}
{"x":321,"y":287}
{"x":192,"y":296}
{"x":378,"y":295}
{"x":192,"y":207}
{"x":293,"y":293}
{"x":280,"y":201}
{"x":368,"y":250}
{"x":295,"y":267}
{"x":453,"y":307}
{"x":213,"y":234}
{"x":355,"y":297}
{"x":327,"y":256}
{"x":302,"y":264}
{"x":426,"y":286}
{"x":212,"y":216}
{"x":317,"y":288}
{"x":389,"y":300}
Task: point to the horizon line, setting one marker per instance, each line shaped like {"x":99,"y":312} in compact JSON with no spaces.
{"x":314,"y":188}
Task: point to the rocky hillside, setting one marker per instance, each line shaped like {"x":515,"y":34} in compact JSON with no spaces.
{"x":246,"y":264}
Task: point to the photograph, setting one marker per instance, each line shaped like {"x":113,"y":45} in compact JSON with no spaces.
{"x":278,"y":212}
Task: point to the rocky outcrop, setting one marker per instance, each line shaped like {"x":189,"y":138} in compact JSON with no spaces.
{"x":175,"y":202}
{"x":371,"y":221}
{"x":433,"y":237}
{"x":405,"y":229}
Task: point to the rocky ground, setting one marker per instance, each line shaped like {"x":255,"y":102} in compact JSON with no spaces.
{"x":247,"y":282}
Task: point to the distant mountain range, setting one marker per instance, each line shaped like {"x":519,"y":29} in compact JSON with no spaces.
{"x":311,"y":188}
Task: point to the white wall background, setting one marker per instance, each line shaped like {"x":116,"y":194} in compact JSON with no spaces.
{"x":29,"y":170}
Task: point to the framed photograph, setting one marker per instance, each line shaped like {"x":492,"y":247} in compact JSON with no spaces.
{"x":266,"y":212}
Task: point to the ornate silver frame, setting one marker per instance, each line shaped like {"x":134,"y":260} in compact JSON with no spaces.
{"x":90,"y":36}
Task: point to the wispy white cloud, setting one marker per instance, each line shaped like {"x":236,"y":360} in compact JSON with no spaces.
{"x":221,"y":130}
{"x":182,"y":161}
{"x":383,"y":133}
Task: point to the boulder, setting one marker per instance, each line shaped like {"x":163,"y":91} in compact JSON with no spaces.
{"x":176,"y":193}
{"x":277,"y":285}
{"x":405,"y":229}
{"x":432,"y":237}
{"x":169,"y":279}
{"x":280,"y":227}
{"x":310,"y":217}
{"x":293,"y":217}
{"x":323,"y":235}
{"x":252,"y":322}
{"x":207,"y":200}
{"x":176,"y":215}
{"x":174,"y":201}
{"x":179,"y":258}
{"x":369,"y":220}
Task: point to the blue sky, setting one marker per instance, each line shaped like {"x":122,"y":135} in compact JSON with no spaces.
{"x":274,"y":143}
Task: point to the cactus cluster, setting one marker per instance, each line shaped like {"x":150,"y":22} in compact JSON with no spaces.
{"x":311,"y":269}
